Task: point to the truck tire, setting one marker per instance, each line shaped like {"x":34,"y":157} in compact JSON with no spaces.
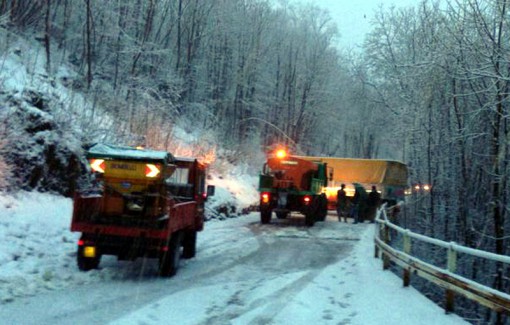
{"x":189,"y":245}
{"x":169,"y":260}
{"x":313,"y":213}
{"x":310,"y":219}
{"x":265,"y":216}
{"x":87,"y":263}
{"x":322,"y":210}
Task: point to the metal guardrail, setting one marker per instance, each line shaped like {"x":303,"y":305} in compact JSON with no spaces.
{"x":445,"y":278}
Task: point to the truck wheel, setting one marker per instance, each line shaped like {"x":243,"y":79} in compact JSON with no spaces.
{"x":313,"y":212}
{"x":281,"y":215}
{"x":322,"y":207}
{"x":310,"y":218}
{"x":189,"y":245}
{"x":265,"y":216}
{"x":169,"y":260}
{"x":87,"y":263}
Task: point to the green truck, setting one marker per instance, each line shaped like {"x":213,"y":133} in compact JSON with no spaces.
{"x":292,"y":184}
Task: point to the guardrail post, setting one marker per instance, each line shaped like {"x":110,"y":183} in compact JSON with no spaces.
{"x":407,"y":249}
{"x":386,"y":238}
{"x":378,"y":235}
{"x":452,"y":267}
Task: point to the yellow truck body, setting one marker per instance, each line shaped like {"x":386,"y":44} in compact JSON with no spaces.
{"x":389,"y":176}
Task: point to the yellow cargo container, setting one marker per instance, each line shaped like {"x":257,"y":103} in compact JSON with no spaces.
{"x":389,"y":176}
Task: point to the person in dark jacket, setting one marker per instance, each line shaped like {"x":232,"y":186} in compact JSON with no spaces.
{"x":342,"y":203}
{"x":373,"y":203}
{"x":358,"y":203}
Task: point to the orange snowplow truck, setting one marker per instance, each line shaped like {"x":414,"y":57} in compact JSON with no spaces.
{"x":144,"y":203}
{"x":290,"y":183}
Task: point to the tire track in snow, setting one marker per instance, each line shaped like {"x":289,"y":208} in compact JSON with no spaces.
{"x":296,"y":251}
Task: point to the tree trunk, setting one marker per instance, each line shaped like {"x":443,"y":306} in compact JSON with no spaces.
{"x":88,"y":43}
{"x":47,"y":37}
{"x":178,"y":41}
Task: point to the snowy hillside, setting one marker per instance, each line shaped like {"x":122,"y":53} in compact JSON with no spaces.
{"x":50,"y":119}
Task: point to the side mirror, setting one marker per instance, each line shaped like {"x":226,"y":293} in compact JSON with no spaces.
{"x":210,"y":190}
{"x":265,"y":170}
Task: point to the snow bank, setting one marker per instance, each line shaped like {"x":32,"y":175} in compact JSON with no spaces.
{"x":236,"y":191}
{"x":37,"y":249}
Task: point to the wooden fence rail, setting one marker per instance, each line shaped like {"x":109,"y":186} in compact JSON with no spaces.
{"x":445,"y":278}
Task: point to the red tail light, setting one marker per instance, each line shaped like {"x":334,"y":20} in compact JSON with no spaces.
{"x":97,"y":165}
{"x":152,"y":170}
{"x":265,"y":197}
{"x":307,"y":199}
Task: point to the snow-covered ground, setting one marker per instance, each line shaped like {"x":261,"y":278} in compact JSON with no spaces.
{"x":231,"y":281}
{"x":37,"y":250}
{"x":235,"y":187}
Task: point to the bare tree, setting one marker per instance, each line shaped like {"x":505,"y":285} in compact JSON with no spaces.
{"x":47,"y":36}
{"x":88,"y":42}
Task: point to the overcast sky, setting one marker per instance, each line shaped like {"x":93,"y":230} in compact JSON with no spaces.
{"x":353,"y":16}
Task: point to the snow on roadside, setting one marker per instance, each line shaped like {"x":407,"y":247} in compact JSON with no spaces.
{"x":37,"y":249}
{"x":235,"y":191}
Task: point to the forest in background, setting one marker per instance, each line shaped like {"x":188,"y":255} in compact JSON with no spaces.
{"x":430,"y":87}
{"x":443,"y":68}
{"x":254,"y":73}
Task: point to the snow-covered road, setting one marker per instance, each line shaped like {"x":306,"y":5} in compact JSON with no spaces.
{"x":244,"y":273}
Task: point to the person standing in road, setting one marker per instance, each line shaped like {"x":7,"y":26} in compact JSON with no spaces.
{"x":359,"y":203}
{"x":373,"y":203}
{"x":342,"y":203}
{"x":355,"y":205}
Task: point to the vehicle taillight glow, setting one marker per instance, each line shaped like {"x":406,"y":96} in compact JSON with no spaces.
{"x":307,"y":199}
{"x":151,"y":170}
{"x":98,"y":165}
{"x":265,"y":197}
